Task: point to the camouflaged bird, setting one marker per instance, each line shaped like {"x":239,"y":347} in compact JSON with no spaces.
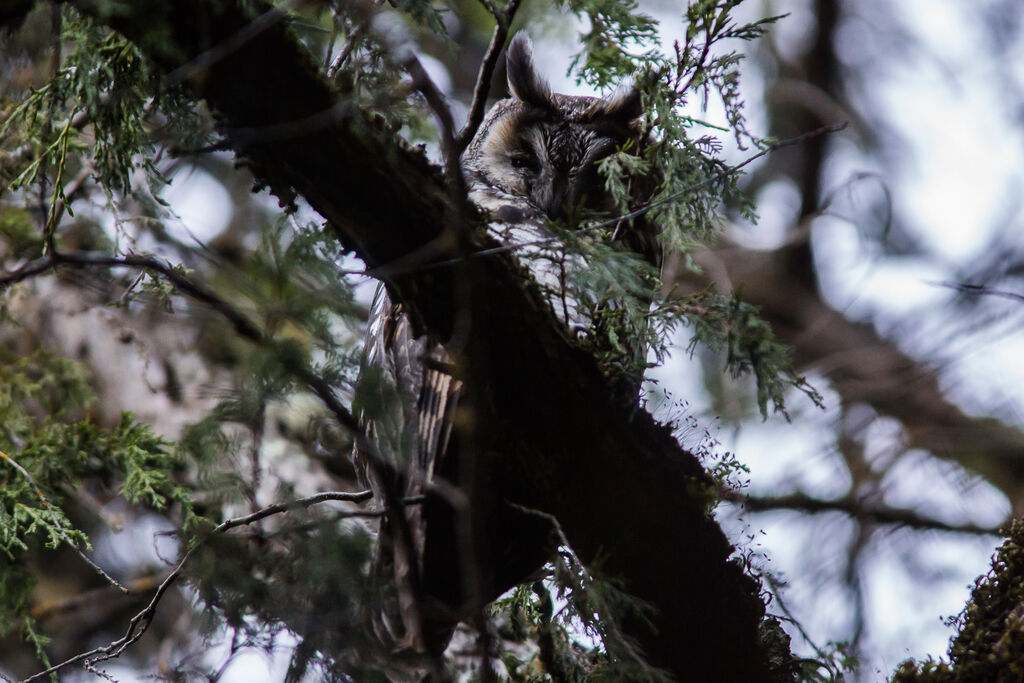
{"x":532,"y":161}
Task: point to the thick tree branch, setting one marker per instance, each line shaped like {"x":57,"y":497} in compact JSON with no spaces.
{"x":555,"y":438}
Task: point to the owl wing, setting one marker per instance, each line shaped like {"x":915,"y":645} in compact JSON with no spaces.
{"x":417,"y":368}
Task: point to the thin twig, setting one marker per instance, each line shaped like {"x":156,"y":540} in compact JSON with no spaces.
{"x":483,"y":80}
{"x":422,"y":82}
{"x":978,"y":290}
{"x":610,"y":623}
{"x":56,"y":523}
{"x":353,"y":40}
{"x":788,"y":615}
{"x":141,"y":621}
{"x":880,"y":515}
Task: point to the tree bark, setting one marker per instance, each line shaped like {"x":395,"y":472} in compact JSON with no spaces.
{"x":548,"y":431}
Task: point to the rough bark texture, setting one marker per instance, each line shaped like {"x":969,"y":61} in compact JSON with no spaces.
{"x":547,"y":434}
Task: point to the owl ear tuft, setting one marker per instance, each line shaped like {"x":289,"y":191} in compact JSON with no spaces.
{"x":624,"y":105}
{"x":523,"y":80}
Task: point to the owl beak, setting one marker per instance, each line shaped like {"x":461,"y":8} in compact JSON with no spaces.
{"x":552,"y":197}
{"x":555,"y":210}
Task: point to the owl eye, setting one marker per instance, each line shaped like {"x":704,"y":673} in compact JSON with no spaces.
{"x":523,"y":160}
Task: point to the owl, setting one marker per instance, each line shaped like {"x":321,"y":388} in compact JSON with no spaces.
{"x":533,"y":161}
{"x":535,"y":156}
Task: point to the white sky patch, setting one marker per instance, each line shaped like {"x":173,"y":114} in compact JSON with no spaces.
{"x":905,"y":621}
{"x":860,"y":281}
{"x":953,"y":495}
{"x":966,"y":158}
{"x":784,"y":459}
{"x":794,"y":34}
{"x":202,"y":204}
{"x":778,"y":206}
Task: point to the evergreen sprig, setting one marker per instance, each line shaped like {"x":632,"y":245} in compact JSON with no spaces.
{"x":676,"y":179}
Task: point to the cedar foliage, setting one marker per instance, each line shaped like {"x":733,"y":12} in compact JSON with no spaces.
{"x":93,"y":132}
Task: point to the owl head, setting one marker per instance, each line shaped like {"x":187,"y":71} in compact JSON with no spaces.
{"x":545,"y":146}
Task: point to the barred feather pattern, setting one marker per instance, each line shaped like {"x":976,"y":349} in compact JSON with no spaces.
{"x":532,"y":159}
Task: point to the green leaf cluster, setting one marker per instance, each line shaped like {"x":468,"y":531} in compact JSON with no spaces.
{"x":732,"y":326}
{"x":100,"y":114}
{"x":676,"y":179}
{"x":50,"y":448}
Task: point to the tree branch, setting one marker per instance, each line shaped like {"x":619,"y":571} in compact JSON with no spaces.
{"x":242,"y":324}
{"x":863,"y":367}
{"x":503,"y":20}
{"x":518,"y":364}
{"x":800,"y":502}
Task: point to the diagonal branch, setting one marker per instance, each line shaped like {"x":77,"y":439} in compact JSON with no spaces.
{"x":503,"y":21}
{"x":864,"y":367}
{"x":519,"y":366}
{"x":242,"y":324}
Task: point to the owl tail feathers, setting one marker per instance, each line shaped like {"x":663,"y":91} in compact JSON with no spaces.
{"x":523,"y":80}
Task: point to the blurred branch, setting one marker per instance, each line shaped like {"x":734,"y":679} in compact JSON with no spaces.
{"x":981,"y":290}
{"x":142,"y":584}
{"x":863,"y":367}
{"x":422,"y":82}
{"x":242,"y":324}
{"x":800,"y":502}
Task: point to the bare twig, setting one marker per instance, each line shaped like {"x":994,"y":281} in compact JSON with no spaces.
{"x":980,"y":290}
{"x":141,"y":621}
{"x":435,"y":99}
{"x":610,"y":622}
{"x":354,"y":39}
{"x":483,"y":80}
{"x":423,"y":84}
{"x":56,"y":523}
{"x":776,"y":589}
